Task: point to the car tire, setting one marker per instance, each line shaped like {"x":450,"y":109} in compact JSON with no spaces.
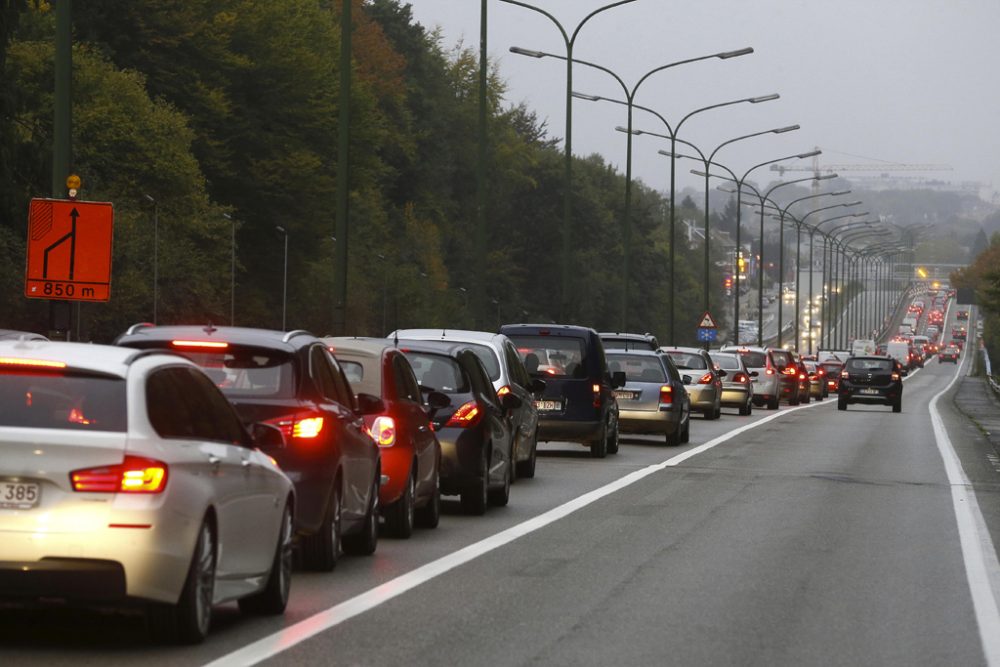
{"x":429,"y":516}
{"x":709,"y":414}
{"x":841,"y":404}
{"x":599,"y":447}
{"x":746,"y":409}
{"x":808,"y":399}
{"x":526,"y":469}
{"x":188,"y":621}
{"x":365,"y":542}
{"x":772,"y":404}
{"x":686,"y":431}
{"x":897,"y":406}
{"x":475,"y":496}
{"x":718,"y":411}
{"x":273,"y":598}
{"x":400,"y":515}
{"x":500,"y":497}
{"x":613,"y":440}
{"x":321,"y":550}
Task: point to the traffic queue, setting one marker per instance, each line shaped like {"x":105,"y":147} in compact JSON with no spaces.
{"x":186,"y":466}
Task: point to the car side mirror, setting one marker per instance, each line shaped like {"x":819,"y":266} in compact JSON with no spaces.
{"x":685,"y":379}
{"x":536,"y":386}
{"x":370,"y":405}
{"x":511,"y":402}
{"x":437,"y":400}
{"x":618,"y":379}
{"x":755,"y":374}
{"x":267,"y":436}
{"x":721,"y":373}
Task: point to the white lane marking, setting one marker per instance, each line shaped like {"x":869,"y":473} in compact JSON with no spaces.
{"x":285,"y":639}
{"x":981,"y":566}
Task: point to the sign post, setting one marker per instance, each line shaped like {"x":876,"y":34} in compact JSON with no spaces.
{"x":708,"y":332}
{"x":69,"y":250}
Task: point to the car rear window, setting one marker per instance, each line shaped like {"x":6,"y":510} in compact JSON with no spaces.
{"x":726,"y":361}
{"x":361,"y":381}
{"x":623,"y":344}
{"x":883,"y":365}
{"x":688,"y":360}
{"x":831,"y":367}
{"x":637,"y":368}
{"x":556,"y":356}
{"x":781,"y":359}
{"x":439,"y":372}
{"x":62,"y":401}
{"x":754,"y":359}
{"x":488,"y":356}
{"x":250,"y":372}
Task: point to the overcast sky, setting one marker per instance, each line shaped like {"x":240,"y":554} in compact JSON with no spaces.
{"x":869,"y":81}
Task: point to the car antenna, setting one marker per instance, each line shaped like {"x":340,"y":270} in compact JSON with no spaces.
{"x":395,"y":338}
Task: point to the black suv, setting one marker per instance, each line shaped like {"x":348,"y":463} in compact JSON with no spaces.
{"x":578,"y":403}
{"x":629,"y":341}
{"x":871,"y":380}
{"x":291,"y":381}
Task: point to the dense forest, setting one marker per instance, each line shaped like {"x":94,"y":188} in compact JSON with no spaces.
{"x":219,"y":119}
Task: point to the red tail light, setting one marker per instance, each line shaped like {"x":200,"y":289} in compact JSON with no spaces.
{"x":466,"y":416}
{"x":597,"y":395}
{"x":133,"y":475}
{"x":769,"y":371}
{"x":666,"y":395}
{"x":844,"y":375}
{"x":802,"y":376}
{"x":741,"y":378}
{"x":301,"y":426}
{"x":706,"y":378}
{"x":203,"y":344}
{"x":821,"y":372}
{"x":788,"y":370}
{"x":895,"y":376}
{"x":503,"y":391}
{"x":384,"y":431}
{"x":30,"y":363}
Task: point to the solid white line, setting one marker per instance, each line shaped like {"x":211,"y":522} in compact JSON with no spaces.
{"x":285,"y":639}
{"x":981,"y":566}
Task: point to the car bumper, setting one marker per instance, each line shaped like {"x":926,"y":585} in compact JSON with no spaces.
{"x":735,"y":397}
{"x":885,"y":395}
{"x":648,"y":421}
{"x":584,"y":432}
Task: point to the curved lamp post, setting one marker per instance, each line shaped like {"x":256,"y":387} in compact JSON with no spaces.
{"x":812,"y":237}
{"x":838,"y":268}
{"x":630,"y":94}
{"x":569,"y":41}
{"x":284,"y":281}
{"x":156,"y":252}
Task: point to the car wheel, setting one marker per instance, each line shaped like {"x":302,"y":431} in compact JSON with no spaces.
{"x":686,"y":432}
{"x":808,"y":399}
{"x":613,"y":440}
{"x":429,"y":516}
{"x":772,"y":404}
{"x":673,"y":439}
{"x":321,"y":550}
{"x":188,"y":621}
{"x":841,"y":404}
{"x":500,"y":497}
{"x":273,"y":599}
{"x":399,"y":516}
{"x":599,"y":447}
{"x":746,"y":409}
{"x":365,"y":542}
{"x":526,"y":469}
{"x":475,"y":496}
{"x":897,"y":406}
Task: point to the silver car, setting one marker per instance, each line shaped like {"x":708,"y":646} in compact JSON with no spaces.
{"x":703,"y":384}
{"x":126,"y":476}
{"x":507,"y":373}
{"x":766,"y":382}
{"x":654,"y":398}
{"x":737,"y":384}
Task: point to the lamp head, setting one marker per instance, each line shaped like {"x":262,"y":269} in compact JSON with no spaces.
{"x":584,"y":96}
{"x":764,"y":98}
{"x":825,"y":177}
{"x":619,"y":128}
{"x":734,"y":54}
{"x":787,"y":128}
{"x":527,"y":52}
{"x":838,"y":193}
{"x":803,"y":156}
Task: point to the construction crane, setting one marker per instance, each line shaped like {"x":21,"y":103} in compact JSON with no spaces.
{"x":816,"y":168}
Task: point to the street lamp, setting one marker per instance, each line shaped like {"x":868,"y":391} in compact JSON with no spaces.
{"x":284,"y":282}
{"x":385,"y":291}
{"x":156,"y":253}
{"x":630,"y":94}
{"x":232,"y":269}
{"x":569,"y":42}
{"x":739,"y":187}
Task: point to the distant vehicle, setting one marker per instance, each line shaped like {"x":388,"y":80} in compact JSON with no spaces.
{"x":900,"y":351}
{"x":962,"y":315}
{"x":703,"y":382}
{"x":959,"y":333}
{"x":817,"y":380}
{"x":862,"y":347}
{"x":763,"y":372}
{"x":127,"y":480}
{"x":628,"y":341}
{"x":653,"y":399}
{"x":870,"y":380}
{"x":10,"y":334}
{"x":578,"y":403}
{"x":831,"y":369}
{"x":905,"y":330}
{"x":737,"y":384}
{"x":949,"y":353}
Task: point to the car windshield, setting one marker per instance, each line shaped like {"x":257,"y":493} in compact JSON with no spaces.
{"x":62,"y":401}
{"x":251,"y":372}
{"x":688,"y":360}
{"x":869,"y":365}
{"x":556,"y":356}
{"x":438,"y":372}
{"x":638,"y":368}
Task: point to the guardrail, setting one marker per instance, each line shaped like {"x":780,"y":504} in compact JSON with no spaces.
{"x":994,"y":385}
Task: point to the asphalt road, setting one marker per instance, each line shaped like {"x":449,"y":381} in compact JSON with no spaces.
{"x":812,"y":537}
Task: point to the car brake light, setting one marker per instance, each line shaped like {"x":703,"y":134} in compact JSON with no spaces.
{"x":706,"y":378}
{"x":133,"y":475}
{"x":895,"y":376}
{"x":844,"y":375}
{"x":466,"y":416}
{"x":31,"y":363}
{"x":597,"y":395}
{"x":384,"y":431}
{"x":211,"y":344}
{"x":666,"y":395}
{"x":821,"y":372}
{"x":741,"y":377}
{"x":303,"y":426}
{"x":769,"y":371}
{"x":503,"y":391}
{"x":802,"y":376}
{"x":788,"y":370}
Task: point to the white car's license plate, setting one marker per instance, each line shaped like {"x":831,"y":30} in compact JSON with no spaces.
{"x":548,"y":406}
{"x":626,"y":395}
{"x":18,"y":495}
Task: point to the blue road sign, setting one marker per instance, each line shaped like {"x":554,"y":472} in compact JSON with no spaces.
{"x":707,"y":335}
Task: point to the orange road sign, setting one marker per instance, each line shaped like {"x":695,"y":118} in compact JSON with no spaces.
{"x":69,"y":250}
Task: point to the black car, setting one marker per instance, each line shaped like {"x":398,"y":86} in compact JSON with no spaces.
{"x":477,"y":460}
{"x":871,"y":380}
{"x":578,"y":403}
{"x":292,"y":381}
{"x":628,"y":341}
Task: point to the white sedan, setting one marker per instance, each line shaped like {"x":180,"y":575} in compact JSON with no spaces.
{"x":126,"y":476}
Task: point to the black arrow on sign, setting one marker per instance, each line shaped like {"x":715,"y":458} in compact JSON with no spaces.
{"x":71,"y":237}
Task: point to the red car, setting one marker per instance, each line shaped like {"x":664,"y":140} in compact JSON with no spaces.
{"x":411,"y":453}
{"x":949,"y":353}
{"x":832,"y":369}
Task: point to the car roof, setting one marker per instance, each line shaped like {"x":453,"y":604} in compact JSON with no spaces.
{"x":150,"y":334}
{"x":615,"y":335}
{"x":10,"y":334}
{"x":743,"y":348}
{"x":361,"y":347}
{"x":686,"y":350}
{"x":463,"y":335}
{"x":450,"y":348}
{"x":641,"y":353}
{"x":551,"y":329}
{"x":108,"y":359}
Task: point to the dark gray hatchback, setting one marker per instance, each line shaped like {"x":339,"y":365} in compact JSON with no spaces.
{"x":578,"y":404}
